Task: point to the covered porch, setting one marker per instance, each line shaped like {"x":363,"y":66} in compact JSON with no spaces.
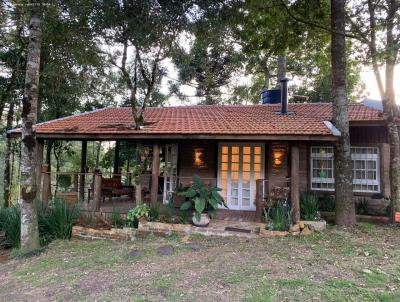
{"x":248,"y":172}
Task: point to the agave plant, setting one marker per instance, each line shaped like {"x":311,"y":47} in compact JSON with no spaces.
{"x":203,"y":198}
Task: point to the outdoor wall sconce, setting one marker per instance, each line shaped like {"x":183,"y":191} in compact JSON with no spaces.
{"x":278,"y":156}
{"x":198,"y":161}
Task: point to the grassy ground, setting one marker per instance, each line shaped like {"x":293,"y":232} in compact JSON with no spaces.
{"x":361,"y":264}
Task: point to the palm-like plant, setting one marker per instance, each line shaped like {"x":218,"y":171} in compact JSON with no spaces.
{"x":202,"y":198}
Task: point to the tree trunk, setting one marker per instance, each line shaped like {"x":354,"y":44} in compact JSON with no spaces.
{"x":7,"y":159}
{"x":391,"y":110}
{"x":29,"y":223}
{"x":345,"y":210}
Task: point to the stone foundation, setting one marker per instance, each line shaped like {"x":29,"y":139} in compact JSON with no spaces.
{"x":112,"y":234}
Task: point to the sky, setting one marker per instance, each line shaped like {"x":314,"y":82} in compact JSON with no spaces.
{"x":366,"y":74}
{"x":371,"y":88}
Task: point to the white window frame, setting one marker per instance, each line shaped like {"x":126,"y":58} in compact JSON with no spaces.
{"x":373,"y":156}
{"x":354,"y":156}
{"x":326,"y":156}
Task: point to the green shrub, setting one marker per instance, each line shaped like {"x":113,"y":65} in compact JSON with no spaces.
{"x":10,"y":220}
{"x":362,"y":206}
{"x":55,"y":220}
{"x":279,"y":217}
{"x":154,"y":212}
{"x":309,"y":206}
{"x":327,"y":203}
{"x":116,"y":219}
{"x":64,"y":181}
{"x":140,"y":210}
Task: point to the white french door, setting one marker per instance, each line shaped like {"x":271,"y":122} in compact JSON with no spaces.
{"x":171,"y":171}
{"x":239,"y":166}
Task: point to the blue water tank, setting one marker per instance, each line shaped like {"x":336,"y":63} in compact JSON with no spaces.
{"x":271,"y":96}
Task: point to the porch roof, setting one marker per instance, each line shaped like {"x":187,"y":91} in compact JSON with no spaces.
{"x":305,"y":121}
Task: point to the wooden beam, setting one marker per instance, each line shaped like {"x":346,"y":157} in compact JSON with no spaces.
{"x":259,"y":199}
{"x":82,"y":171}
{"x":155,"y":171}
{"x":39,"y":162}
{"x":294,"y":182}
{"x":116,"y":157}
{"x":46,"y":191}
{"x":97,"y":179}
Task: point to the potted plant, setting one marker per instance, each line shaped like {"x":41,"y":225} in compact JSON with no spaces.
{"x":138,"y":212}
{"x":204,"y":200}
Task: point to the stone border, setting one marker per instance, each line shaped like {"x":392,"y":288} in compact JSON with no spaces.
{"x":166,"y":229}
{"x":81,"y":232}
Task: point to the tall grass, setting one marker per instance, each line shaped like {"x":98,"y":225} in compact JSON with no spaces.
{"x":279,"y":217}
{"x":10,"y":219}
{"x":309,"y":206}
{"x":55,"y":221}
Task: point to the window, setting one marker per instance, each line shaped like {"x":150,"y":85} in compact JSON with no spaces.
{"x":365,"y":164}
{"x":322,"y":169}
{"x":365,"y":169}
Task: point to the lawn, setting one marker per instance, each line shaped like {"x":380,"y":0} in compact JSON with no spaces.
{"x":360,"y":264}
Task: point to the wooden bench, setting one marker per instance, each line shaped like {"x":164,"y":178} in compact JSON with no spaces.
{"x":111,"y":187}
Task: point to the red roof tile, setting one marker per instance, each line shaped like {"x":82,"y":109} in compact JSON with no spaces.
{"x":307,"y":119}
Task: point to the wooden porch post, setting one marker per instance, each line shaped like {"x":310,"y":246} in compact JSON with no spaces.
{"x":259,"y":199}
{"x":294,"y":183}
{"x":155,"y":171}
{"x":97,"y":189}
{"x":39,"y":162}
{"x":46,"y":183}
{"x":83,"y":171}
{"x":116,"y":157}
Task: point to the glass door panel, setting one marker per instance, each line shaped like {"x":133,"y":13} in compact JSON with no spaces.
{"x":240,"y":165}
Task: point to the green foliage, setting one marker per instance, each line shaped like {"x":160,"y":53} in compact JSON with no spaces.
{"x":327,"y":203}
{"x":56,"y":219}
{"x":116,"y":219}
{"x":154,"y":212}
{"x":309,"y":206}
{"x":140,"y":210}
{"x":185,"y":217}
{"x":10,"y":220}
{"x":279,"y":217}
{"x":169,"y":209}
{"x":64,"y":181}
{"x":202,"y":198}
{"x":362,"y":206}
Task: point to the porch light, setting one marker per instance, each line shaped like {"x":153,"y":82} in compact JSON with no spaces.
{"x":278,"y":155}
{"x":198,"y":158}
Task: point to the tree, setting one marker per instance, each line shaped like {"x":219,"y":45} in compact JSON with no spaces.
{"x":212,"y":59}
{"x":142,"y":35}
{"x":376,"y":27}
{"x":345,"y":208}
{"x":29,"y":223}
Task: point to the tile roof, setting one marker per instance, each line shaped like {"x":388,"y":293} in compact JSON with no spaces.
{"x":307,"y":119}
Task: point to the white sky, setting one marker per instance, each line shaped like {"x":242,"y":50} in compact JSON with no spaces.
{"x":371,"y":88}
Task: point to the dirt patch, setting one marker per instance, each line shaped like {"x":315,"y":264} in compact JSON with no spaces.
{"x":166,"y":250}
{"x":4,"y":255}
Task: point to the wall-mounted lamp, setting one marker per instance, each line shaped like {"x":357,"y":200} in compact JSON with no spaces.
{"x":198,"y":161}
{"x":278,"y":156}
